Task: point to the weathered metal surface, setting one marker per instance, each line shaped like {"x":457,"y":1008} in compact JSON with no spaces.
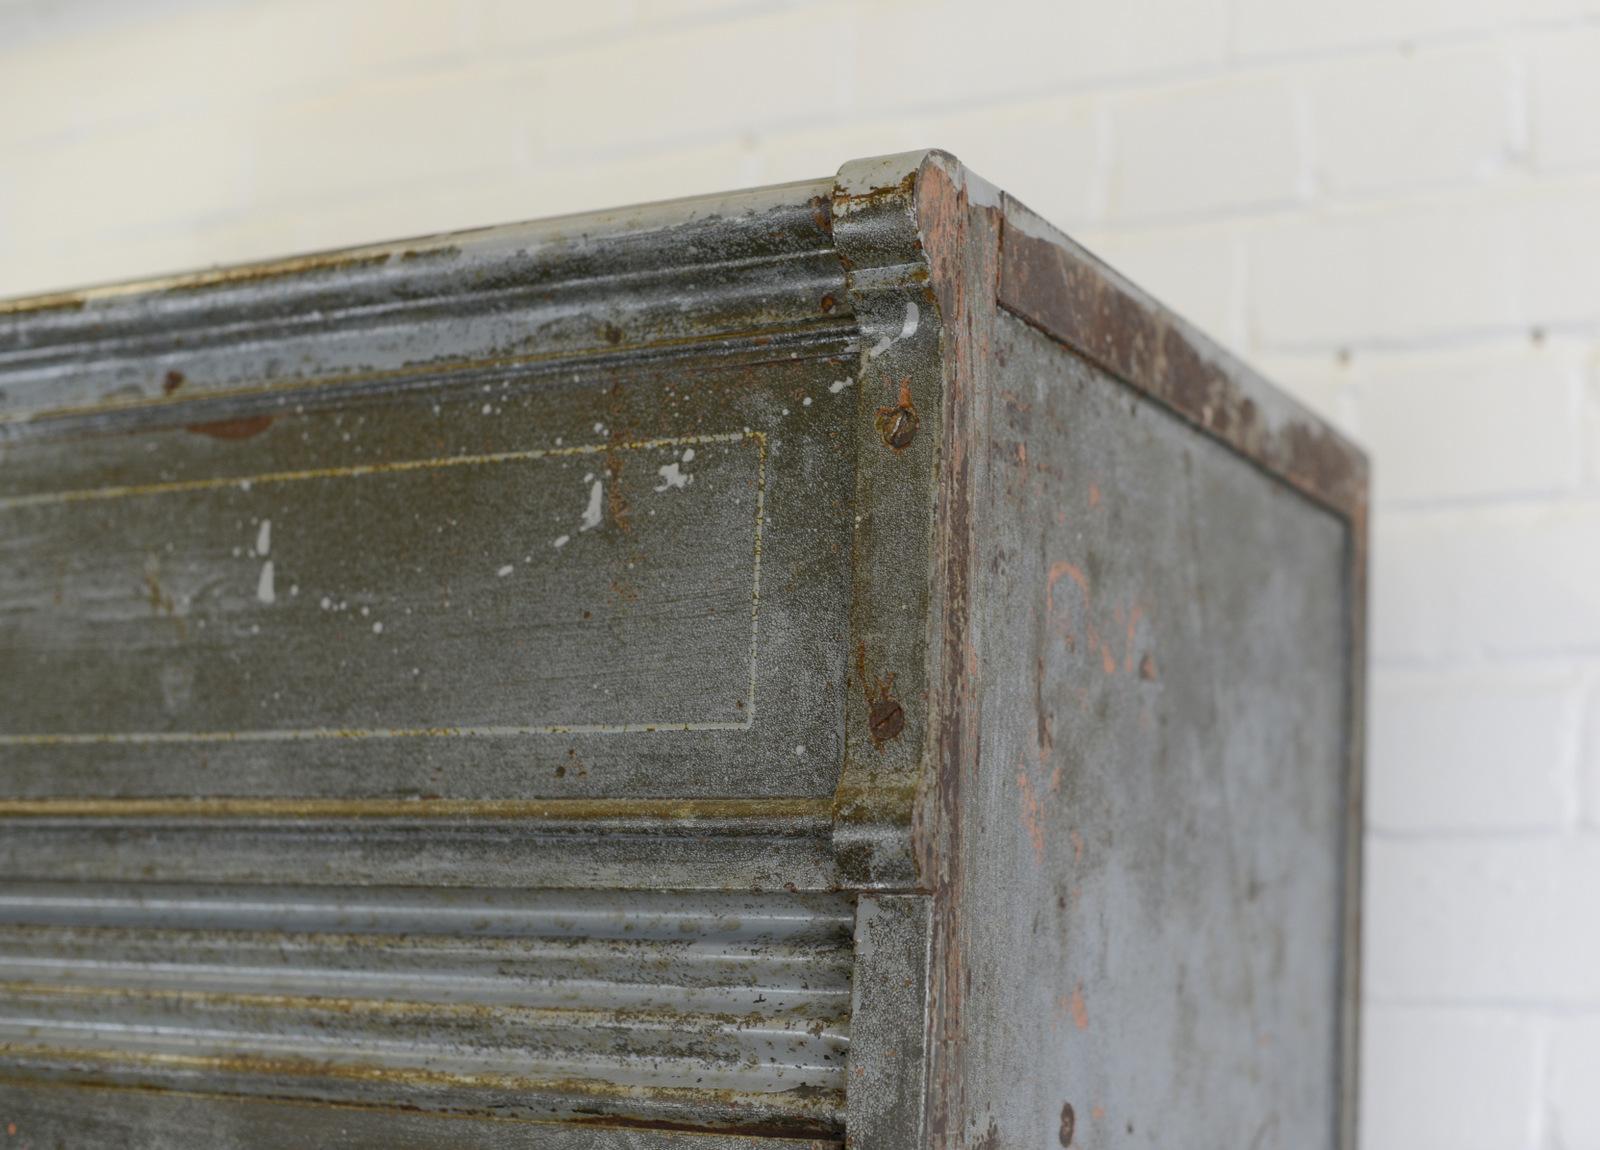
{"x":696,"y":1011}
{"x":468,"y":690}
{"x":321,"y":595}
{"x":418,"y":534}
{"x":702,"y":277}
{"x":897,"y":433}
{"x":54,"y":1114}
{"x":764,"y":850}
{"x":1057,"y":286}
{"x":1165,"y":779}
{"x":1037,"y":760}
{"x":888,"y":1016}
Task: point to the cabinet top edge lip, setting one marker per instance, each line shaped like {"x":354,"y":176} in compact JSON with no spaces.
{"x":591,"y":226}
{"x":1045,"y":279}
{"x":1049,"y":281}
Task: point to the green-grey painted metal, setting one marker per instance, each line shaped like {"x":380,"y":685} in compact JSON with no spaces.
{"x":826,"y":664}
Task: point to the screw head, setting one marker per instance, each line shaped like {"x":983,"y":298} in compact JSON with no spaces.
{"x":887,"y":719}
{"x":898,"y":427}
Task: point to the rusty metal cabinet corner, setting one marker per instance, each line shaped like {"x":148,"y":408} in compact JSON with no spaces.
{"x":829,"y":664}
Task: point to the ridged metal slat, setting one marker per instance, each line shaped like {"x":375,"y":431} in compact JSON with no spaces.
{"x":636,"y":1007}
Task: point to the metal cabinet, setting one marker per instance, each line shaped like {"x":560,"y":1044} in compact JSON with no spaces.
{"x":825,"y":664}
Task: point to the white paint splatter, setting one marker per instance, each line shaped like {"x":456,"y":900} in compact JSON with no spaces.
{"x":506,"y":570}
{"x":377,"y":628}
{"x":908,"y":328}
{"x":561,"y":541}
{"x":327,"y":603}
{"x":488,"y":409}
{"x":688,"y":455}
{"x":837,"y":386}
{"x":591,"y":513}
{"x":264,"y":588}
{"x":806,"y":402}
{"x":264,"y":538}
{"x":672,"y":476}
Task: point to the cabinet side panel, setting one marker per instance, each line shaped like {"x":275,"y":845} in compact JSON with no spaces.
{"x":1152,"y":878}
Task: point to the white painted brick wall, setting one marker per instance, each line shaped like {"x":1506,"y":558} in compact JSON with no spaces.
{"x":1375,"y":123}
{"x":1392,"y":206}
{"x":1574,"y":1100}
{"x":1564,"y":88}
{"x":1200,"y":148}
{"x":1492,"y":750}
{"x":1469,"y":1079}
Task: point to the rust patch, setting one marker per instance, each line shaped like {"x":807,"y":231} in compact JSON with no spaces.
{"x":1319,"y":459}
{"x":1069,"y":1124}
{"x":960,"y":240}
{"x":1080,"y":1010}
{"x":242,"y":428}
{"x":1032,"y":815}
{"x":161,"y":603}
{"x":785,"y":1129}
{"x":822,"y":214}
{"x":171,"y":382}
{"x":448,"y":251}
{"x":1082,"y":621}
{"x":1134,"y":614}
{"x":625,"y":591}
{"x":616,"y":499}
{"x":1074,"y":300}
{"x":1058,"y":570}
{"x":886,"y":718}
{"x":266,"y":272}
{"x":901,"y":190}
